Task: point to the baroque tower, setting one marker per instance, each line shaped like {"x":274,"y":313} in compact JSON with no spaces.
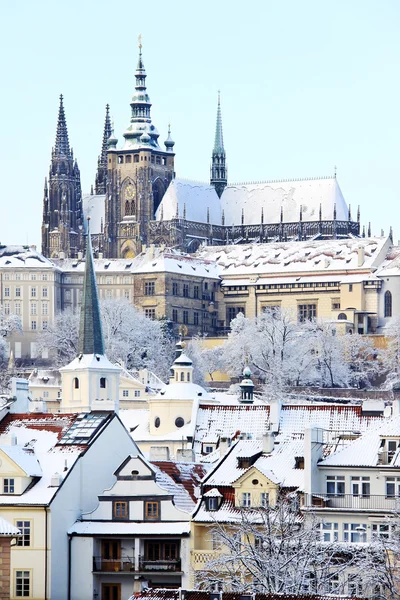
{"x":101,"y":175}
{"x":219,"y":171}
{"x":62,"y":227}
{"x":137,"y":178}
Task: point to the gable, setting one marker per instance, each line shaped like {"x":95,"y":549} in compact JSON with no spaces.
{"x":252,"y":475}
{"x":9,"y":468}
{"x":137,"y":465}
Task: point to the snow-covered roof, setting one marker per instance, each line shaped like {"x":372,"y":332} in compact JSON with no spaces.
{"x":182,"y":480}
{"x":14,"y":257}
{"x":213,"y":493}
{"x":45,"y":377}
{"x":331,"y":417}
{"x":129,"y":528}
{"x":183,"y":391}
{"x":91,"y":361}
{"x":316,"y":257}
{"x":271,"y":197}
{"x":158,"y":260}
{"x":6,"y":529}
{"x":391,"y":264}
{"x":364,"y":451}
{"x":105,"y":266}
{"x":216,"y":421}
{"x":193,"y":198}
{"x":94,"y":207}
{"x":25,"y":458}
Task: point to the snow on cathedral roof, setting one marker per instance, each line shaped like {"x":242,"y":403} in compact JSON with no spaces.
{"x":270,"y":197}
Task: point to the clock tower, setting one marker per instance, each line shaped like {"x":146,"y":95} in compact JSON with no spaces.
{"x":138,"y":175}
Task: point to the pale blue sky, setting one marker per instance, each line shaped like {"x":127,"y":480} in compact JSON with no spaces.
{"x":305,"y":85}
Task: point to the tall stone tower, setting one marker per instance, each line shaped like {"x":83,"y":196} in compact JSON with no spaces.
{"x":219,"y":171}
{"x":137,"y":178}
{"x":62,"y":230}
{"x":101,"y":175}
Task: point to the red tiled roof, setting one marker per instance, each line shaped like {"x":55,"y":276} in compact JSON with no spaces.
{"x":43,"y":422}
{"x":189,"y":475}
{"x":168,"y":594}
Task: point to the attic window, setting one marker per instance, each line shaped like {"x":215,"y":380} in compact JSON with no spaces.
{"x":244,"y":462}
{"x":128,"y":265}
{"x":299,"y":462}
{"x":180,"y":266}
{"x":75,"y":264}
{"x":107,"y":265}
{"x":134,"y":474}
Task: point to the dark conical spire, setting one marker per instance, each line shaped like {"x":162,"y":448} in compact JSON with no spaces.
{"x":61,"y":147}
{"x":90,"y":330}
{"x":219,"y":172}
{"x":101,"y":175}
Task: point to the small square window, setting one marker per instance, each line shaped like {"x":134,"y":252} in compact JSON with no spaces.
{"x":8,"y":485}
{"x":120,"y":510}
{"x":151,"y":510}
{"x":125,"y":393}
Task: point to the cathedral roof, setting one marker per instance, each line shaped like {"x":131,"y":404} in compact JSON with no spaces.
{"x":273,"y":198}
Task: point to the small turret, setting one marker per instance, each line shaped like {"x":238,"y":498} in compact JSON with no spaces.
{"x":169,"y":142}
{"x":101,"y":175}
{"x":247,"y":386}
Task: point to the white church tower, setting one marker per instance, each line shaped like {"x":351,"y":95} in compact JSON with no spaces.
{"x":90,"y":382}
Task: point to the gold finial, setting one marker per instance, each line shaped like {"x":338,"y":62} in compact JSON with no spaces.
{"x":140,"y":41}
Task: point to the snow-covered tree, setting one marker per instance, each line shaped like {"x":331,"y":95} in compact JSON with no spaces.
{"x":205,"y":360}
{"x":129,"y":336}
{"x":275,"y":551}
{"x":61,"y":337}
{"x":8,"y":324}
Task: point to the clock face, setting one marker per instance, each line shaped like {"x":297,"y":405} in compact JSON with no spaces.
{"x":129,"y":191}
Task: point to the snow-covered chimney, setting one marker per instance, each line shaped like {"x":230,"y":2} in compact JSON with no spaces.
{"x":275,"y":406}
{"x":361,"y":256}
{"x":268,"y":442}
{"x":224,"y":443}
{"x":313,"y":446}
{"x":151,"y":251}
{"x":80,"y":255}
{"x":100,"y":255}
{"x":396,"y":407}
{"x":62,"y":255}
{"x":56,"y":480}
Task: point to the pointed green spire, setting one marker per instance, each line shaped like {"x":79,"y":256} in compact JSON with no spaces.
{"x":219,"y":171}
{"x":90,"y":330}
{"x":219,"y":138}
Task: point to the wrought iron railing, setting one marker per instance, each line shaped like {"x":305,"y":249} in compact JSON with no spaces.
{"x":355,"y":502}
{"x":127,"y":564}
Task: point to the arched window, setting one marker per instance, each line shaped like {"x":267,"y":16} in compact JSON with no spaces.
{"x":342,"y":317}
{"x":103,"y":382}
{"x":136,"y":158}
{"x":182,"y":376}
{"x":188,"y":377}
{"x":127,"y":207}
{"x":157,"y":422}
{"x":388,"y":304}
{"x":76,"y":383}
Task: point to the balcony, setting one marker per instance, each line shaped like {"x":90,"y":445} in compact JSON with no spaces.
{"x":348,"y":501}
{"x":127,"y":565}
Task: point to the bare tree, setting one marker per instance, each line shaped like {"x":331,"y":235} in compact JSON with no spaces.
{"x":274,"y":551}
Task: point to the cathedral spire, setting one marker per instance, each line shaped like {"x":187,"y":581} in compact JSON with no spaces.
{"x":140,"y":132}
{"x":219,"y":172}
{"x":101,"y":175}
{"x":90,"y":330}
{"x":61,"y":147}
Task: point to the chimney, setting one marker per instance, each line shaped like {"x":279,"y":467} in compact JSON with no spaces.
{"x":268,"y":442}
{"x":100,"y":255}
{"x":13,"y":440}
{"x":361,"y":256}
{"x":159,"y":453}
{"x":274,"y":414}
{"x":62,"y":255}
{"x":80,"y":255}
{"x":224,"y":444}
{"x":313,"y":446}
{"x":56,"y":480}
{"x":151,"y":251}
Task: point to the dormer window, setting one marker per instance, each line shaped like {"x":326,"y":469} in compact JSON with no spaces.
{"x":103,"y":383}
{"x":212,"y":503}
{"x":8,"y":485}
